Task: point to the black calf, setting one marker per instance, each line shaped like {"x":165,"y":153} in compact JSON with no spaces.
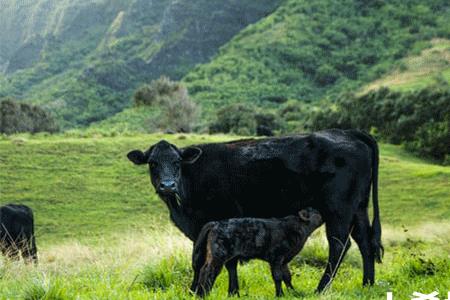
{"x":276,"y":241}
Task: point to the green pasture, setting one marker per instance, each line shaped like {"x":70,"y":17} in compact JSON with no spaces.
{"x":103,"y":234}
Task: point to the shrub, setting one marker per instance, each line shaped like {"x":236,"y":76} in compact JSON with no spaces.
{"x":326,"y":75}
{"x":432,"y":139}
{"x":419,"y":119}
{"x":20,"y":117}
{"x":244,"y":119}
{"x":150,"y":94}
{"x":235,"y":118}
{"x":178,"y":112}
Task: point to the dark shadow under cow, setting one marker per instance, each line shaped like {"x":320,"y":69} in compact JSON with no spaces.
{"x":17,"y":232}
{"x":332,"y":171}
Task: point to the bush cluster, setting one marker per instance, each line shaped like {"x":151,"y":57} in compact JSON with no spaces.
{"x":419,"y":119}
{"x":245,"y":119}
{"x":20,"y":117}
{"x":177,"y":111}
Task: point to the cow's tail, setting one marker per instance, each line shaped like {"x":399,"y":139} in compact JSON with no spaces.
{"x":199,"y":252}
{"x":377,"y":246}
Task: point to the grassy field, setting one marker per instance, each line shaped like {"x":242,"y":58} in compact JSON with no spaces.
{"x":103,"y":234}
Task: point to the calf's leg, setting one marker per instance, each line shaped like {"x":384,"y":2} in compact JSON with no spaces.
{"x":287,"y":278}
{"x":208,"y":275}
{"x":233,"y":284}
{"x":194,"y":284}
{"x":277,"y":275}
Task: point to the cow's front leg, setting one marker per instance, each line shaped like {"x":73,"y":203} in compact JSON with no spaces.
{"x":338,"y":235}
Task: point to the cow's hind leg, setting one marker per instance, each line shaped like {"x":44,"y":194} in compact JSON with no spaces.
{"x":233,"y":284}
{"x":28,"y":250}
{"x":362,"y":235}
{"x":338,"y":231}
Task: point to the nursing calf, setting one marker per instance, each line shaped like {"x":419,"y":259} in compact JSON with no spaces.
{"x":276,"y":241}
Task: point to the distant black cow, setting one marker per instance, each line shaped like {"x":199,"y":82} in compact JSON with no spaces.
{"x":332,"y":171}
{"x":17,"y":232}
{"x":276,"y":241}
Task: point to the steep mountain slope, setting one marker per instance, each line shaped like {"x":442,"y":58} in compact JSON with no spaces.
{"x":82,"y":59}
{"x":308,"y":50}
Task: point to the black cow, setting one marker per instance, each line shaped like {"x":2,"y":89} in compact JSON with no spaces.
{"x":275,"y":240}
{"x":17,"y":232}
{"x":331,"y":171}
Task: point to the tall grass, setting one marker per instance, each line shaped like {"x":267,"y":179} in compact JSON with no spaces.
{"x":150,"y":265}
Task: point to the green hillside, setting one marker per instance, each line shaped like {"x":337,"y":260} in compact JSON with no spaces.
{"x":308,"y":50}
{"x":103,"y":233}
{"x":83,"y":59}
{"x":418,"y":71}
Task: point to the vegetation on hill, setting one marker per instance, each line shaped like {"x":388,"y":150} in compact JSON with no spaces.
{"x":419,"y":70}
{"x":420,"y":119}
{"x":102,"y":232}
{"x":177,"y":113}
{"x":21,"y":117}
{"x":307,"y":50}
{"x":84,"y":59}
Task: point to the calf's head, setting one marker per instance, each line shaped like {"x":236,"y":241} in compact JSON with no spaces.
{"x":310,"y":218}
{"x":165,"y":163}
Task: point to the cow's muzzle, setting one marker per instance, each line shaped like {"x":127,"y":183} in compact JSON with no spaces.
{"x":167,"y":187}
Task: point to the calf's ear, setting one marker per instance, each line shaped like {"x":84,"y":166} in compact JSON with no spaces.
{"x":304,"y":215}
{"x":137,"y":157}
{"x":191,"y":154}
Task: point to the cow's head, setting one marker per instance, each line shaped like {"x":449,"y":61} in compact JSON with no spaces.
{"x":165,"y":162}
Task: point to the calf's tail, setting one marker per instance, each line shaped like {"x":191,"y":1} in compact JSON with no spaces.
{"x":377,"y":246}
{"x":199,"y":252}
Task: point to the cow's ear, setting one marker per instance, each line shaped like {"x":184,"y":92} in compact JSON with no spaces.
{"x":191,"y":154}
{"x":137,"y":156}
{"x":304,"y":215}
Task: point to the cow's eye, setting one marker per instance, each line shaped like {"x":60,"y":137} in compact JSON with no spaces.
{"x":152,"y":164}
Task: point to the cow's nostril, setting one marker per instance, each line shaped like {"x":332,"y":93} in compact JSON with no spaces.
{"x":167,"y":185}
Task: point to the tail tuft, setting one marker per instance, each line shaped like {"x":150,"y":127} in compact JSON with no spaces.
{"x":377,"y":249}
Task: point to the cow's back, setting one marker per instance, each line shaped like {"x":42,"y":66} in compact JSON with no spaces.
{"x":271,"y":177}
{"x":14,"y":220}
